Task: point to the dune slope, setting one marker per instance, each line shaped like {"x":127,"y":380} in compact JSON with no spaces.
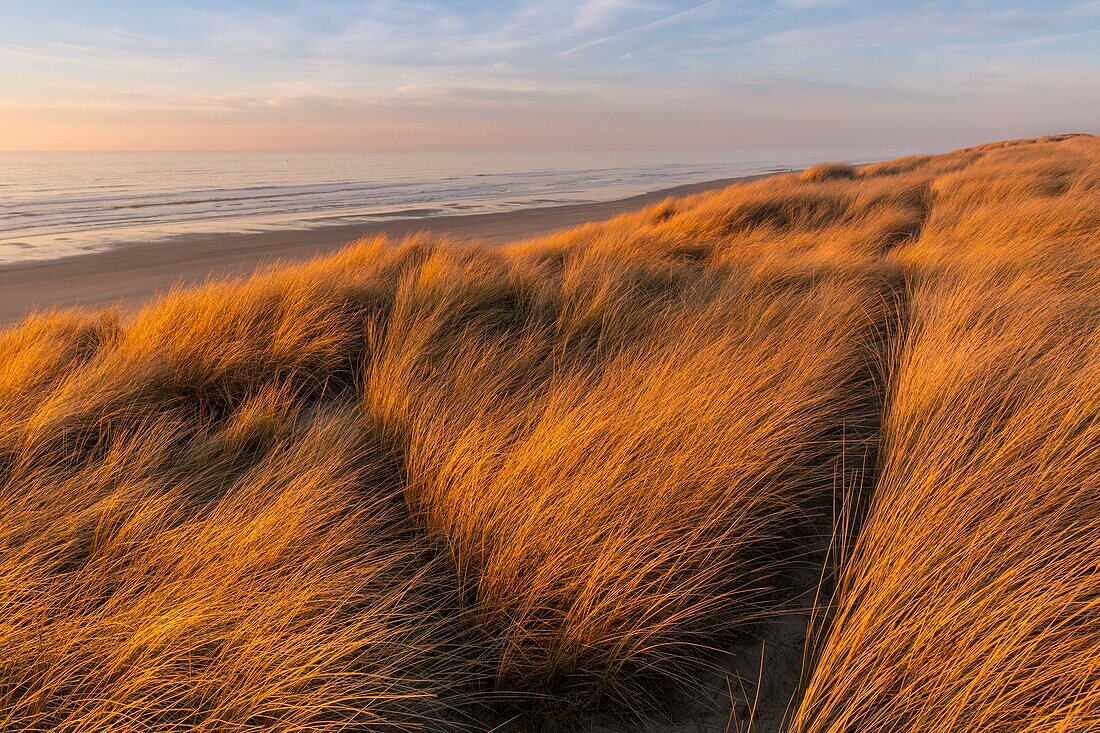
{"x":624,"y":475}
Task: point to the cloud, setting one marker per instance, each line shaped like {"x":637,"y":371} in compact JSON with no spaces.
{"x":640,"y":29}
{"x":595,"y":14}
{"x":597,"y":69}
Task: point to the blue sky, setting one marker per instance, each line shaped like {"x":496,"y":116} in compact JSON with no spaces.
{"x":387,"y":74}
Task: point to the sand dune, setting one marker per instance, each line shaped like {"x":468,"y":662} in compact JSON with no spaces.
{"x":814,"y":454}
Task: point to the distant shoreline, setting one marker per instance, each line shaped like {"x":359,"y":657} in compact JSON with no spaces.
{"x":130,"y":274}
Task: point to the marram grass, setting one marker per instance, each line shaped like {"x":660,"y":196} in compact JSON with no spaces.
{"x":431,"y":485}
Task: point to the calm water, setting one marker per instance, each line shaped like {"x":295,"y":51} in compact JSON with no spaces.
{"x":58,"y":204}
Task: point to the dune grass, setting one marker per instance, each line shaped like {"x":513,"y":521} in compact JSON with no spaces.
{"x":435,"y":485}
{"x":828,"y":172}
{"x":970,"y":599}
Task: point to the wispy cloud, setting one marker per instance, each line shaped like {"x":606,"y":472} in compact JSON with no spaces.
{"x":592,"y":66}
{"x":640,"y":29}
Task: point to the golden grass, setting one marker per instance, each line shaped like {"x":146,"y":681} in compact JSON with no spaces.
{"x":434,"y":485}
{"x":583,"y":585}
{"x":970,"y":602}
{"x":827,"y":172}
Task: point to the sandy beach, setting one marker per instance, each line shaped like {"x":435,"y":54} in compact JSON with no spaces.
{"x":131,"y":274}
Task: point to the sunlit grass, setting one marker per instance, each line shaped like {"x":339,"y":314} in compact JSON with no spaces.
{"x":436,"y":484}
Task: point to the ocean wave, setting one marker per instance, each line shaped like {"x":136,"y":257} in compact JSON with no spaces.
{"x":52,"y":203}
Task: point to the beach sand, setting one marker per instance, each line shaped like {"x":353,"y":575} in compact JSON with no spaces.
{"x":128,"y":275}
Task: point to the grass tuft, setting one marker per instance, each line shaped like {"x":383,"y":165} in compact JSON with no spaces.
{"x":828,"y":172}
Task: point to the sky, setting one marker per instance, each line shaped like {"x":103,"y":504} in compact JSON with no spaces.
{"x":522,"y":75}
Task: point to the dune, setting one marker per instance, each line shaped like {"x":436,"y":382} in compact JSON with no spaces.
{"x":813,"y":453}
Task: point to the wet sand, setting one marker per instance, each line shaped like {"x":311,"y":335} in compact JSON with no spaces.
{"x":128,"y":275}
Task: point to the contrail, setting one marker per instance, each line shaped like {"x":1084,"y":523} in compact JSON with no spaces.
{"x":639,"y":28}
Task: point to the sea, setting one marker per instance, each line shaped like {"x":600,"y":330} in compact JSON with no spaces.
{"x":55,"y":205}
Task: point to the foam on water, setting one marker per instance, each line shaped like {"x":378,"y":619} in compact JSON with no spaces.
{"x":58,"y":204}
